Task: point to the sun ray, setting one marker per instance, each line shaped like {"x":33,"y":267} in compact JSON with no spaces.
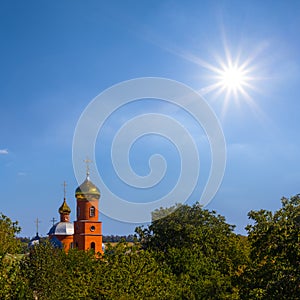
{"x":232,"y":76}
{"x":210,"y":88}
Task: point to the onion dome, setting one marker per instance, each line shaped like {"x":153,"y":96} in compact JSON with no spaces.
{"x":62,"y":228}
{"x":87,"y":188}
{"x":34,"y":241}
{"x":64,"y":209}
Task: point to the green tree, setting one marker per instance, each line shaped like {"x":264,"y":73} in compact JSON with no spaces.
{"x":53,"y":274}
{"x":43,"y":268}
{"x":199,"y":247}
{"x":124,"y":272}
{"x":11,"y":282}
{"x":8,"y":241}
{"x":274,"y":271}
{"x":128,"y":272}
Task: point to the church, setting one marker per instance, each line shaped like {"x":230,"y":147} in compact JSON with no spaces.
{"x":86,"y":232}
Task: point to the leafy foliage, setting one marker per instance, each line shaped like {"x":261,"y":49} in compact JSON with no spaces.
{"x":131,"y":273}
{"x":10,"y":279}
{"x":124,"y":272}
{"x":8,"y":231}
{"x":53,"y":274}
{"x":186,"y":253}
{"x":199,"y":247}
{"x":274,"y":271}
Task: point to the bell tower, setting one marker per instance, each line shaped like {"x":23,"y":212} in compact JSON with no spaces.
{"x":87,"y":227}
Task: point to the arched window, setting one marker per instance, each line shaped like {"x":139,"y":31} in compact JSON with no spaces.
{"x":78,"y":212}
{"x":92,"y":211}
{"x":93,"y":246}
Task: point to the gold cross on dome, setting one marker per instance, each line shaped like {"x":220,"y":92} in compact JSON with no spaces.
{"x":88,"y":161}
{"x":64,"y":184}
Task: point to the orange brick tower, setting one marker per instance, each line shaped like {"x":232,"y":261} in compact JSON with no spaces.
{"x":61,"y":233}
{"x":87,"y":228}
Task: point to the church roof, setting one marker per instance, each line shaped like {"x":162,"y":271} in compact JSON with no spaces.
{"x":64,"y":209}
{"x":62,"y":228}
{"x":56,"y":242}
{"x":34,"y":241}
{"x":87,"y":188}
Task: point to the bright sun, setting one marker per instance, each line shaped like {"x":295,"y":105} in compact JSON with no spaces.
{"x":233,"y":78}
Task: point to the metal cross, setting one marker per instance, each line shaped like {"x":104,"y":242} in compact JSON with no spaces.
{"x":65,"y":184}
{"x":53,"y":220}
{"x":87,"y":161}
{"x":37,"y":225}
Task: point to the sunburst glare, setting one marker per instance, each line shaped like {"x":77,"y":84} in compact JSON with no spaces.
{"x":231,"y":79}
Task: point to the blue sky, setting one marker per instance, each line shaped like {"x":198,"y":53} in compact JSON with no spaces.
{"x":56,"y":56}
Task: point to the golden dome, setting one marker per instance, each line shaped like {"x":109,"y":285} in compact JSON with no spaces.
{"x":87,"y":188}
{"x":64,"y":209}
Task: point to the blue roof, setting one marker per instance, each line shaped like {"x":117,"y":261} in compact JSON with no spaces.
{"x":56,"y":243}
{"x":34,"y":241}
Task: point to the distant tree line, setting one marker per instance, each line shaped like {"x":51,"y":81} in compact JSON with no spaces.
{"x":118,"y":238}
{"x":190,"y":253}
{"x":106,"y":239}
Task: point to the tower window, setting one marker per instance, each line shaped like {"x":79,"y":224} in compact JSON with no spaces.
{"x":78,"y":211}
{"x":92,"y":211}
{"x":93,"y":246}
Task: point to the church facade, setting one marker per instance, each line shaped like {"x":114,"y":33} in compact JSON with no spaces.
{"x":86,"y":232}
